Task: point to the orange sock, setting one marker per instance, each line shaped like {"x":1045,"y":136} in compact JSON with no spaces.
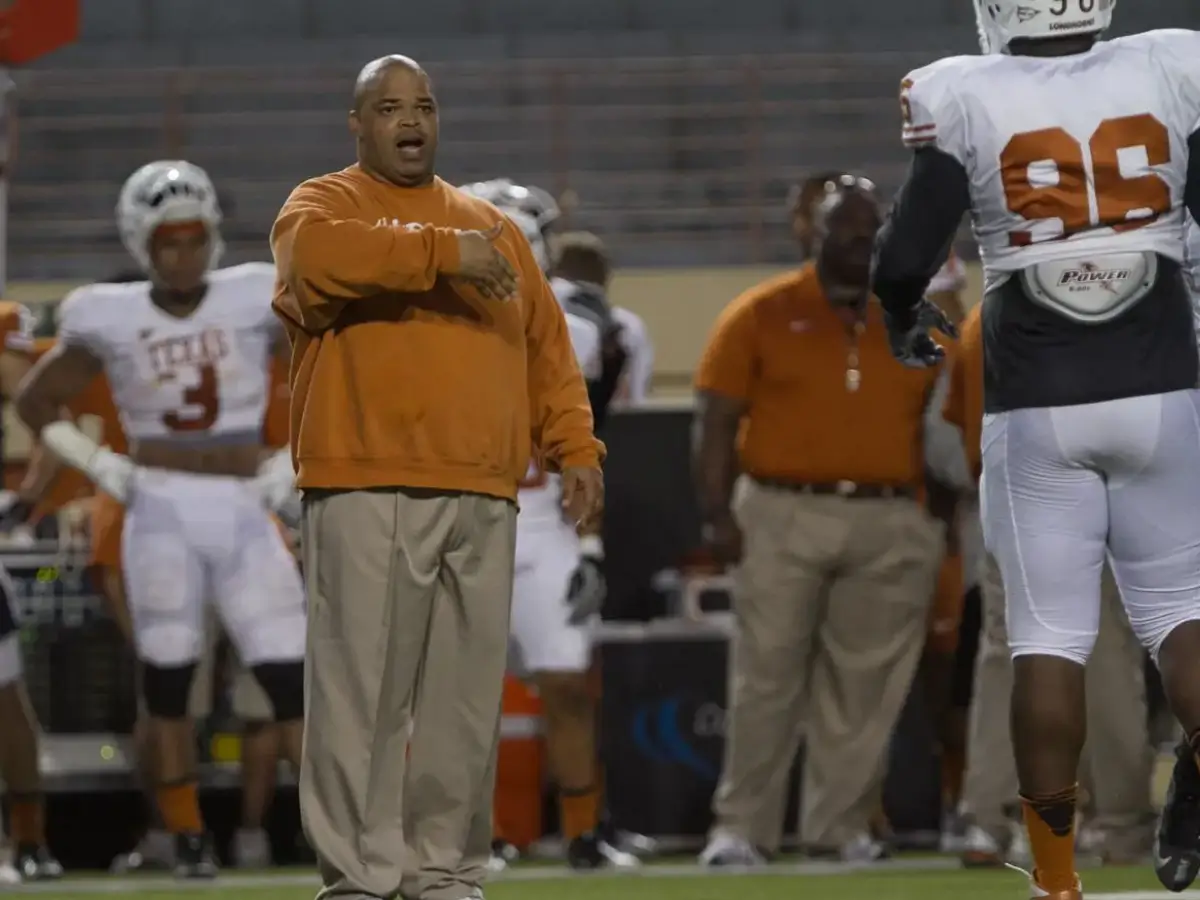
{"x":180,"y":807}
{"x":28,"y":819}
{"x":580,"y":811}
{"x":1050,"y":822}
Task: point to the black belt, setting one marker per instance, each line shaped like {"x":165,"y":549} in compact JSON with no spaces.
{"x":851,"y":490}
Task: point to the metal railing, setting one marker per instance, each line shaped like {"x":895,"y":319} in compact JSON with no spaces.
{"x":674,"y":161}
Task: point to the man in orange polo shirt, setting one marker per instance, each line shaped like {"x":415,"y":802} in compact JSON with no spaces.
{"x":1118,"y":758}
{"x":798,"y":390}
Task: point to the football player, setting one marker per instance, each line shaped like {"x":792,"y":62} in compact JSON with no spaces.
{"x":188,"y":354}
{"x":19,"y":733}
{"x":557,"y":593}
{"x":1077,"y":159}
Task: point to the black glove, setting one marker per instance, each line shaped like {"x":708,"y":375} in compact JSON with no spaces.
{"x":588,"y":589}
{"x":908,"y":334}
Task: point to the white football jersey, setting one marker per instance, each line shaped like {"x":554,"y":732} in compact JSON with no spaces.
{"x":201,"y":378}
{"x":540,"y":494}
{"x":639,"y":362}
{"x":1070,"y":156}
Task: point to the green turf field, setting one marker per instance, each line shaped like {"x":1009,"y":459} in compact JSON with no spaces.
{"x":910,"y":880}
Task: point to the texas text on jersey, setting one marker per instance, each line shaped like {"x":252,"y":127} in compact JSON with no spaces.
{"x":196,"y":379}
{"x":1076,"y":170}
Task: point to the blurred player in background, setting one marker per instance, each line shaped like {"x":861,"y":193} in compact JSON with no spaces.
{"x":188,"y":355}
{"x":558,"y":590}
{"x":19,"y":730}
{"x":1078,"y":160}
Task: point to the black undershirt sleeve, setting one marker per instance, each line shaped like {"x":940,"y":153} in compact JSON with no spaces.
{"x":1191,"y":189}
{"x":916,"y":237}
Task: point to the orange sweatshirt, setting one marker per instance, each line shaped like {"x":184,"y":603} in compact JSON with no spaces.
{"x":402,"y":376}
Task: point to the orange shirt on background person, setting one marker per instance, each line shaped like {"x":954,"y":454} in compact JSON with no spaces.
{"x":423,"y":382}
{"x":964,"y":400}
{"x":783,"y":349}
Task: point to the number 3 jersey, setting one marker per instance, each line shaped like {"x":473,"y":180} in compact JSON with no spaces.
{"x":1067,"y":156}
{"x":199,"y":378}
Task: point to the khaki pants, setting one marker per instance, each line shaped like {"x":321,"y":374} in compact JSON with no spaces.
{"x":1118,"y":759}
{"x":408,"y":608}
{"x":832,"y":602}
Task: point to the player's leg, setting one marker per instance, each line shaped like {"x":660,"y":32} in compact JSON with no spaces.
{"x":261,"y":601}
{"x":1155,"y":553}
{"x":557,"y":655}
{"x":1119,"y":755}
{"x":1045,"y":515}
{"x":19,"y":739}
{"x":262,"y":745}
{"x":165,"y":585}
{"x":155,"y":849}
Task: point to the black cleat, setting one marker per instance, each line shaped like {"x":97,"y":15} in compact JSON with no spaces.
{"x":1177,"y":842}
{"x":35,"y":863}
{"x":589,"y":851}
{"x":194,"y":858}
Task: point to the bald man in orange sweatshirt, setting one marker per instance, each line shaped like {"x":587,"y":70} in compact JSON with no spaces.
{"x":430,"y":362}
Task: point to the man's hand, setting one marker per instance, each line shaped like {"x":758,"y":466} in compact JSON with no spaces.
{"x":480,"y":263}
{"x":723,"y":538}
{"x":908,"y":334}
{"x":582,"y":494}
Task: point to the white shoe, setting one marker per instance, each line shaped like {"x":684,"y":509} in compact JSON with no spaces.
{"x":251,"y":849}
{"x":725,"y":849}
{"x":8,"y":875}
{"x":863,"y":848}
{"x":496,"y":864}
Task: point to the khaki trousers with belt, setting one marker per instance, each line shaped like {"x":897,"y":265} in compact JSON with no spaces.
{"x":832,"y":599}
{"x":408,"y":607}
{"x":1118,"y":759}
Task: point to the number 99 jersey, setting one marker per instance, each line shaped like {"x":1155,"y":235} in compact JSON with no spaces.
{"x":199,"y":377}
{"x":1071,"y":156}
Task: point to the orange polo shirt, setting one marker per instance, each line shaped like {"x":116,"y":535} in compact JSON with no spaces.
{"x":964,"y":400}
{"x":782,"y":349}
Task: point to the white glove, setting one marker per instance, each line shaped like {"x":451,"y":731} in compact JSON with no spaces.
{"x":588,"y":588}
{"x":110,"y":472}
{"x":275,"y":483}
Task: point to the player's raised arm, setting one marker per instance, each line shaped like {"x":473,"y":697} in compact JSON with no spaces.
{"x":915,"y":238}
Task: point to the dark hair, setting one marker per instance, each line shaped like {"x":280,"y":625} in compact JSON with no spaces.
{"x":581,"y":255}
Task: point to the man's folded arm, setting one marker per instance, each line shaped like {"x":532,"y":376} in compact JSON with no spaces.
{"x":326,"y":256}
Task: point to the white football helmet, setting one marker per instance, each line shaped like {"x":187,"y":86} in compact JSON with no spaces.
{"x":1000,"y":22}
{"x":498,"y":195}
{"x":508,"y":196}
{"x":163,"y":192}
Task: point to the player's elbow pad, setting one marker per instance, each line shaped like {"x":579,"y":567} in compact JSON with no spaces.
{"x":68,"y":443}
